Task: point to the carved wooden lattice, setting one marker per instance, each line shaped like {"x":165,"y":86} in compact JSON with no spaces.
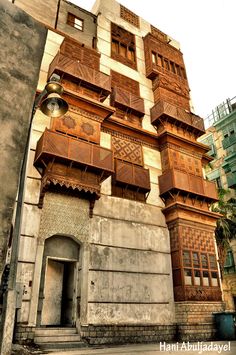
{"x":129,"y":16}
{"x":127,"y":150}
{"x":158,"y":34}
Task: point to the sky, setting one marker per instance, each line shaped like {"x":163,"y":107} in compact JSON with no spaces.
{"x":206,"y":30}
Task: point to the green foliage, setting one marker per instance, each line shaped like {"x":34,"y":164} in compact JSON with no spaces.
{"x":226,"y":225}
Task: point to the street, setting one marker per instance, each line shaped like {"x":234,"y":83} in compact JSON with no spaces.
{"x":205,"y":348}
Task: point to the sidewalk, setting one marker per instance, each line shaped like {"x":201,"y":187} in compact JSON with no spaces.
{"x":204,"y":348}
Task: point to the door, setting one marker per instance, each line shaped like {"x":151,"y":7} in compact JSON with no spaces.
{"x":52,"y":303}
{"x":68,"y":294}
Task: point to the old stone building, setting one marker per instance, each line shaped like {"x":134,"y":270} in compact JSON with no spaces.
{"x":117,"y":240}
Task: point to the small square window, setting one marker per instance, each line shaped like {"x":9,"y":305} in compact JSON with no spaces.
{"x":195,"y":260}
{"x":75,"y":22}
{"x":188,"y":277}
{"x":204,"y":261}
{"x":186,"y":258}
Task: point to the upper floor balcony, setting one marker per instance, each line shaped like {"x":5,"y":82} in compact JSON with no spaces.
{"x":127,"y":101}
{"x":85,"y":75}
{"x":180,"y":180}
{"x":165,"y":111}
{"x":54,"y":146}
{"x":132,"y":175}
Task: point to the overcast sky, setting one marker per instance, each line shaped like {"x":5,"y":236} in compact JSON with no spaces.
{"x":206,"y":30}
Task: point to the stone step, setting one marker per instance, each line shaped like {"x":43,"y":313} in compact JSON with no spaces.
{"x":59,"y":346}
{"x":57,"y":338}
{"x":54,"y":331}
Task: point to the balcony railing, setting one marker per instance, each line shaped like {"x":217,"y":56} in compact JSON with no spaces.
{"x":177,"y":179}
{"x":66,"y":149}
{"x":228,"y":141}
{"x":133,"y":175}
{"x":164,"y":109}
{"x":93,"y":78}
{"x":125,"y":100}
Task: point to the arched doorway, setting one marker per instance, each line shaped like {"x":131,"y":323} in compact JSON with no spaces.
{"x":59,"y":287}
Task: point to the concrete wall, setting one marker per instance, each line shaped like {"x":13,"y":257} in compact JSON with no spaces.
{"x":22,"y":45}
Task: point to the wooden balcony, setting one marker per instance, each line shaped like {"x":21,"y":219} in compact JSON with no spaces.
{"x":53,"y":146}
{"x":132,"y":175}
{"x":165,"y":111}
{"x":91,"y":78}
{"x":126,"y":100}
{"x":180,"y":180}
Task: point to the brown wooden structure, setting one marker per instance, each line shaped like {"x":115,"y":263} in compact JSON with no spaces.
{"x":186,"y":194}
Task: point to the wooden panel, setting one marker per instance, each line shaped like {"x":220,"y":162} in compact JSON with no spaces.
{"x":128,"y":150}
{"x":71,"y":177}
{"x":161,"y":36}
{"x":133,"y":175}
{"x":92,"y":77}
{"x":78,"y":125}
{"x":124,"y":83}
{"x":129,"y":16}
{"x":174,"y":98}
{"x":176,"y":179}
{"x":64,"y":148}
{"x":164,"y":109}
{"x":124,"y":99}
{"x":77,"y":51}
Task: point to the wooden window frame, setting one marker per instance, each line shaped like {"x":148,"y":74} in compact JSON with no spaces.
{"x":201,"y":269}
{"x":130,"y":49}
{"x":71,"y":21}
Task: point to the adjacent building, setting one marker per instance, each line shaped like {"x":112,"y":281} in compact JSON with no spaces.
{"x":117,"y":241}
{"x":221,"y":138}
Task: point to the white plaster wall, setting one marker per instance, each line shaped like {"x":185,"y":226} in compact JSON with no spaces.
{"x":111,"y":9}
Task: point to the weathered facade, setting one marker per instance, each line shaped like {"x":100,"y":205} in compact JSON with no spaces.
{"x":115,"y":201}
{"x":221,"y":138}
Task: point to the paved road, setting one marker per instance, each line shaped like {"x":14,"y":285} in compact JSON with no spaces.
{"x":205,"y":348}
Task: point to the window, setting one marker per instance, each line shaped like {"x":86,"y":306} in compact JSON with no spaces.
{"x":186,"y":258}
{"x":166,"y":64}
{"x":196,"y":260}
{"x":75,"y":22}
{"x":154,"y":58}
{"x":212,"y":261}
{"x":188,"y":276}
{"x":123,"y":46}
{"x":199,"y":269}
{"x":218,"y":182}
{"x":204,"y":261}
{"x":172,"y":67}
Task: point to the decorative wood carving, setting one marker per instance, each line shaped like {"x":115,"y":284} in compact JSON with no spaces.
{"x":53,"y":145}
{"x":85,"y":75}
{"x":163,"y":110}
{"x":124,"y":83}
{"x":125,"y":100}
{"x":180,"y":180}
{"x":127,"y":150}
{"x":78,"y":52}
{"x":193,"y":250}
{"x":161,"y":36}
{"x":67,"y":177}
{"x":171,"y":82}
{"x":129,"y":16}
{"x":123,"y":46}
{"x":130,"y":174}
{"x":78,"y":125}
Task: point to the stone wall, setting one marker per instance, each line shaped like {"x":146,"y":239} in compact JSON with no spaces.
{"x":22,"y":45}
{"x":53,"y":14}
{"x":195,"y":320}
